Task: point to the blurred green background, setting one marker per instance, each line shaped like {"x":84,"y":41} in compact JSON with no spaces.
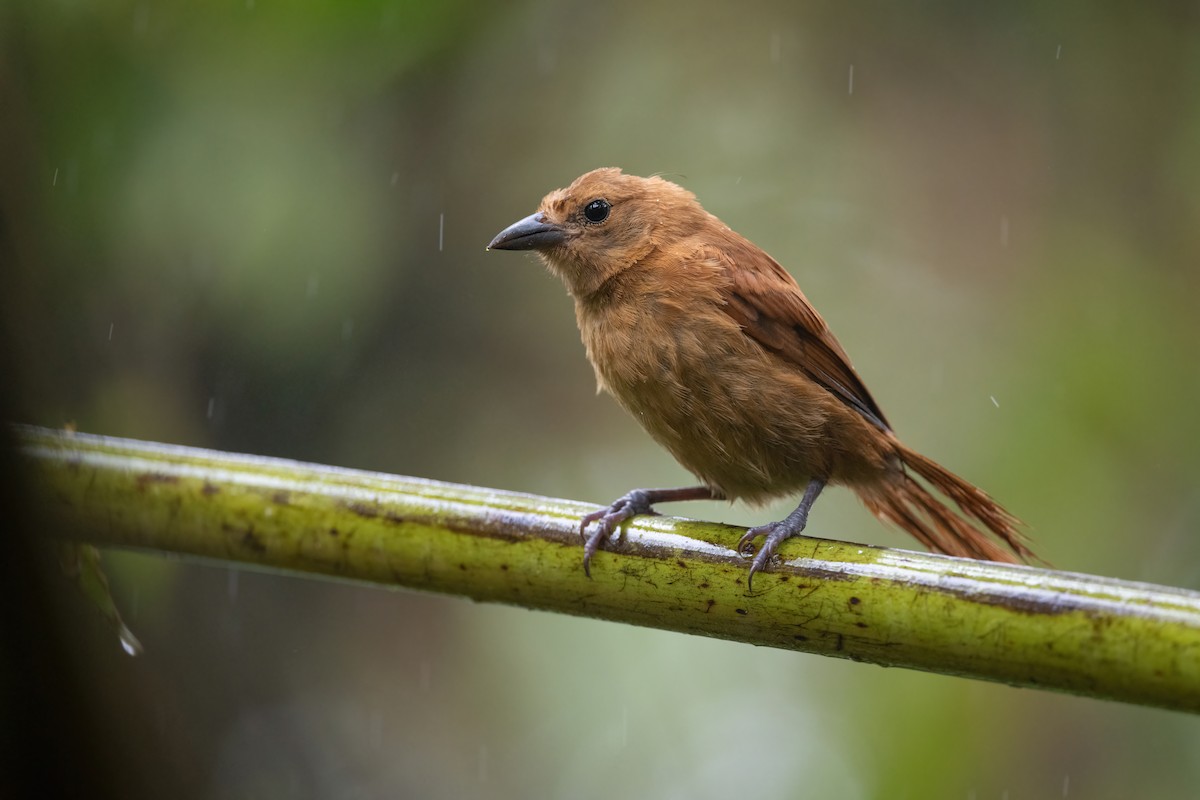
{"x":259,"y":227}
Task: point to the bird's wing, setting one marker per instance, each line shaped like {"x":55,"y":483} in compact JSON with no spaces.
{"x":764,"y":299}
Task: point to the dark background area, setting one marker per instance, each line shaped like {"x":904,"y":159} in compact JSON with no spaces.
{"x":259,"y":227}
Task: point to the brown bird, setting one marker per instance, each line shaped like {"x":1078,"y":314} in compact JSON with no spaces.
{"x":710,"y":344}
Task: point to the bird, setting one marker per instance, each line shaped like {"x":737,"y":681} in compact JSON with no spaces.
{"x":711,"y":345}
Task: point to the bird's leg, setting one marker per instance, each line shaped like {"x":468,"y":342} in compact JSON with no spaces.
{"x":777,"y":532}
{"x":631,"y":504}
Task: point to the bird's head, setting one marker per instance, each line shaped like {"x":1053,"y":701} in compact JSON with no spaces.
{"x":603,"y":223}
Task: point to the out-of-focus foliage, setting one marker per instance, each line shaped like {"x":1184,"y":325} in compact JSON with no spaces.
{"x":260,"y":227}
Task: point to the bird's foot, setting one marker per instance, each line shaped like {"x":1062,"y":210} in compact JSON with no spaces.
{"x":776,"y":533}
{"x":607,"y":520}
{"x":635,"y":503}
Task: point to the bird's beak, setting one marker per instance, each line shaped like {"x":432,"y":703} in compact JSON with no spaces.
{"x":531,"y":233}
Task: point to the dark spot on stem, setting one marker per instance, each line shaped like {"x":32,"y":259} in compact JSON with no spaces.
{"x":822,"y":573}
{"x":363,"y":510}
{"x":147,"y":478}
{"x":1032,"y":603}
{"x":281,"y":498}
{"x":742,"y":611}
{"x":502,"y":525}
{"x":250,"y":541}
{"x":209,"y":489}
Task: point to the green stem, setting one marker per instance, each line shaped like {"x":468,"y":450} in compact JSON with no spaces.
{"x":1024,"y":626}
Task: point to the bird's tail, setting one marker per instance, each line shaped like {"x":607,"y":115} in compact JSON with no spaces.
{"x":905,"y":502}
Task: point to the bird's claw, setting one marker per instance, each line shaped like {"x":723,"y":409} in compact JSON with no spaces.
{"x":775,"y":533}
{"x":607,"y":520}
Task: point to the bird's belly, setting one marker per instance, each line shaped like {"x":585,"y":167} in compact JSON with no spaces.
{"x":736,"y":416}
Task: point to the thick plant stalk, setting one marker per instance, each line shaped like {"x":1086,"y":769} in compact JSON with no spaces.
{"x":1086,"y":635}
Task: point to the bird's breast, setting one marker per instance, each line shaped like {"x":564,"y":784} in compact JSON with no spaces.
{"x":731,"y":413}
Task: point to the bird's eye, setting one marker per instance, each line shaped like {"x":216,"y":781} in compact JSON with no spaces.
{"x":596,"y":211}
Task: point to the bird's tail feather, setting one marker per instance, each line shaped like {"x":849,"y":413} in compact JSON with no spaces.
{"x":905,"y":502}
